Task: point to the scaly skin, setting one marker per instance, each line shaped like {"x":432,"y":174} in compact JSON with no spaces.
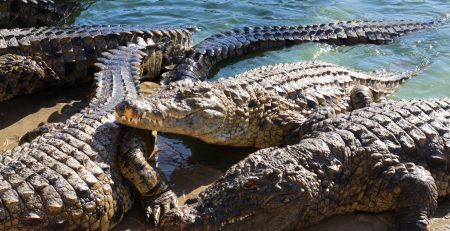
{"x":32,"y":13}
{"x":217,"y":118}
{"x":257,"y":108}
{"x":197,"y":64}
{"x":70,"y":52}
{"x":29,"y":60}
{"x":19,"y":73}
{"x":68,"y":177}
{"x":390,"y":156}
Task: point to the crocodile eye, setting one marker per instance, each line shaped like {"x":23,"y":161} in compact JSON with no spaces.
{"x":208,"y":94}
{"x":194,"y":103}
{"x":182,"y":93}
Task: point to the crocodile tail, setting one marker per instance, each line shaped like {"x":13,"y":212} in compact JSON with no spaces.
{"x":237,"y":42}
{"x":384,"y":83}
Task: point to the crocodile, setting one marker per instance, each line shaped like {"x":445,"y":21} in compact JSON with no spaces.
{"x":71,"y":51}
{"x":66,"y":155}
{"x":28,"y":13}
{"x":257,"y":108}
{"x":199,"y":61}
{"x":181,"y":108}
{"x":389,"y":156}
{"x":60,"y":56}
{"x":73,"y":176}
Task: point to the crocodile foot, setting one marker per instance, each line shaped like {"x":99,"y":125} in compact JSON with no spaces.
{"x":40,"y":130}
{"x":159,"y":207}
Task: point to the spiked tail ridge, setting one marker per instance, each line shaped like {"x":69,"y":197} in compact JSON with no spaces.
{"x":384,"y":83}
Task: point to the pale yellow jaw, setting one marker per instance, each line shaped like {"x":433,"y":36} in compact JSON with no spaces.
{"x":138,"y":122}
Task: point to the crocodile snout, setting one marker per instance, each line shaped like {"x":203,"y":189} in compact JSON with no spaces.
{"x":125,"y":110}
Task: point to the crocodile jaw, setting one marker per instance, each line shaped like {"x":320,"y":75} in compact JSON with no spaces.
{"x":151,"y":114}
{"x":129,"y":113}
{"x":206,"y":112}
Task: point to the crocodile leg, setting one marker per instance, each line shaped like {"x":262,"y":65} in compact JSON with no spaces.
{"x":157,"y":206}
{"x":412,"y":214}
{"x":133,"y":158}
{"x":361,"y":96}
{"x":39,"y":131}
{"x":307,"y":127}
{"x":134,"y":150}
{"x":21,"y":75}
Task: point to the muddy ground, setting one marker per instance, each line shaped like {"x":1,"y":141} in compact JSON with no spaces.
{"x":188,"y":174}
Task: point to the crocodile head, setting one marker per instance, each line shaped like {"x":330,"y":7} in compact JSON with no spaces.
{"x":268,"y":190}
{"x":197,"y":111}
{"x":215,"y":113}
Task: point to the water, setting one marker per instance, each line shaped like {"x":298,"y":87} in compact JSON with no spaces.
{"x":215,"y":16}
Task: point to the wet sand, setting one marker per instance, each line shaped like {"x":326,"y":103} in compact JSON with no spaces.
{"x":188,"y":164}
{"x":22,"y":114}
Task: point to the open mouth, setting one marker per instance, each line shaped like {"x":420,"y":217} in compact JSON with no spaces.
{"x":127,"y":113}
{"x":238,"y":218}
{"x":132,"y":117}
{"x":137,"y":120}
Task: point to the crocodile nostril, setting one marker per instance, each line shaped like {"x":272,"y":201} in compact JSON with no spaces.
{"x":122,"y":107}
{"x":126,"y":109}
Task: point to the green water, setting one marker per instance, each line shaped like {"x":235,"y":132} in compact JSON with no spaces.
{"x":215,"y":16}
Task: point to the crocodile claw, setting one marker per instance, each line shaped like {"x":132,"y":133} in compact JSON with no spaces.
{"x":160,"y":206}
